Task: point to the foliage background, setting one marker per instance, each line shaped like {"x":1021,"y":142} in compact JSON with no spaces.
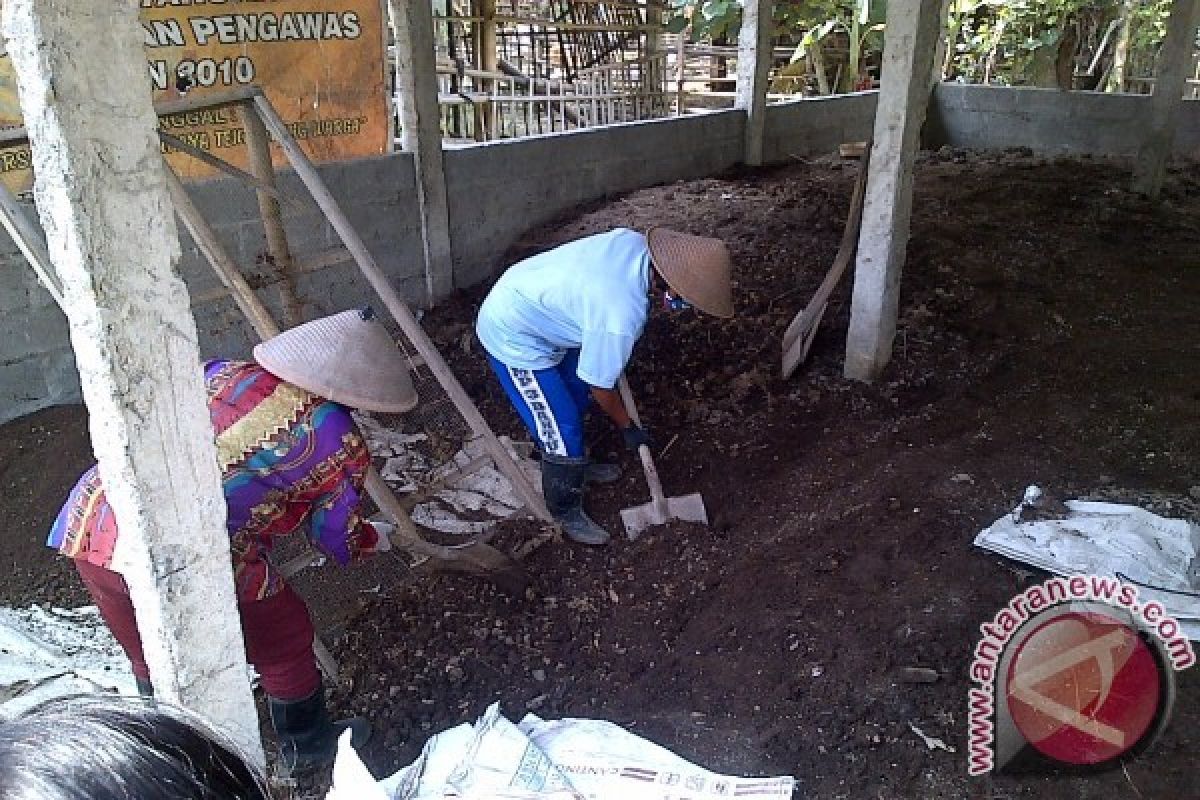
{"x":1083,"y":44}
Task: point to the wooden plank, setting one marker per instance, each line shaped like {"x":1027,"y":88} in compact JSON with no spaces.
{"x":209,"y":100}
{"x":214,"y":252}
{"x":221,"y":164}
{"x":550,"y":24}
{"x":17,"y":135}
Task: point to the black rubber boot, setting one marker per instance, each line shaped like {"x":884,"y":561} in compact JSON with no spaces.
{"x":144,"y":687}
{"x":307,"y":737}
{"x":562,"y":483}
{"x":599,"y":472}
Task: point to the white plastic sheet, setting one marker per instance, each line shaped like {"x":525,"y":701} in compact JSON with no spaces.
{"x":57,"y":653}
{"x":567,"y":759}
{"x":1154,"y":553}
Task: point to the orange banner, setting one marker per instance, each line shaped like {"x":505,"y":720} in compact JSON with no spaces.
{"x":321,"y":62}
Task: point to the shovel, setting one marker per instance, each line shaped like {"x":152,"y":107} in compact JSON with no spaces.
{"x":798,"y":338}
{"x":661,"y":509}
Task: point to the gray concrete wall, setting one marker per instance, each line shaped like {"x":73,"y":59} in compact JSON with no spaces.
{"x":1049,"y":121}
{"x":378,"y":196}
{"x":817,"y":125}
{"x":37,"y":368}
{"x":499,"y":190}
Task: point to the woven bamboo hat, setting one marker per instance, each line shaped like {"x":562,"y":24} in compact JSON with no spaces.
{"x":348,"y":358}
{"x":696,"y":267}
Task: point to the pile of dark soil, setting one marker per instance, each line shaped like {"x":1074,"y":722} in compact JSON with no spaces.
{"x":1047,"y":334}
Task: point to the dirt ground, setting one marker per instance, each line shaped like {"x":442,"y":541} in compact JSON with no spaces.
{"x":1048,"y":333}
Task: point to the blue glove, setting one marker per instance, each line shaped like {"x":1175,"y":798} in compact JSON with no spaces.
{"x":636,"y":436}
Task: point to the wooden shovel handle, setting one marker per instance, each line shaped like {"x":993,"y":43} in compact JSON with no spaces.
{"x":798,"y":337}
{"x":627,"y":399}
{"x":656,"y":491}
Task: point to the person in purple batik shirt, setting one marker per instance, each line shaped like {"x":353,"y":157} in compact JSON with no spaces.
{"x":291,"y":457}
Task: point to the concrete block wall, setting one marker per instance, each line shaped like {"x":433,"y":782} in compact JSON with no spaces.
{"x":816,"y":125}
{"x":37,"y":367}
{"x":1048,"y":121}
{"x":499,"y":190}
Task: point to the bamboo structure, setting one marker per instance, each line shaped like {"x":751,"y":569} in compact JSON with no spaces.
{"x":510,"y":68}
{"x":513,"y":68}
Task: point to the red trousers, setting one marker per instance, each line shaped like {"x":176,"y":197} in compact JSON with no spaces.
{"x":278,"y":633}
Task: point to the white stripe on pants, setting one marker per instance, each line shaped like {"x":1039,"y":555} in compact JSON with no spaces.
{"x":539,"y":407}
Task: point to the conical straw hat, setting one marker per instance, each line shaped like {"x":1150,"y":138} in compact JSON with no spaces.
{"x":696,"y":267}
{"x":348,"y":358}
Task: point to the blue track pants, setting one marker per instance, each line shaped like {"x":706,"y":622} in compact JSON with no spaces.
{"x":551,"y":402}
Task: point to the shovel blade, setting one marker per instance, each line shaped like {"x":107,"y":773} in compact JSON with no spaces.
{"x":688,"y":508}
{"x":638,"y":518}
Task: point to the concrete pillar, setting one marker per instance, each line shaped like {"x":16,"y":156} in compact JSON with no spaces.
{"x":110,"y":232}
{"x":421,"y":135}
{"x":753,"y":65}
{"x":908,"y":52}
{"x":1174,"y":68}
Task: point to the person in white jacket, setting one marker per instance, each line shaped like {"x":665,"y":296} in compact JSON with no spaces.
{"x":559,"y":329}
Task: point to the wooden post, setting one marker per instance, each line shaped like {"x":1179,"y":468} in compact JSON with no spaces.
{"x":944,"y":45}
{"x":488,"y":61}
{"x":421,"y":135}
{"x":681,"y":71}
{"x":816,"y":61}
{"x":907,"y":71}
{"x":753,"y":64}
{"x":652,"y":76}
{"x":1174,"y":68}
{"x":1116,"y":74}
{"x":111,"y":234}
{"x":258,"y":145}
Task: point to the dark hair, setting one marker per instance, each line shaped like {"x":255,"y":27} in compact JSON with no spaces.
{"x":108,"y":748}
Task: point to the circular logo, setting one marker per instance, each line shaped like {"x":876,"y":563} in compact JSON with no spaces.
{"x":1084,"y":687}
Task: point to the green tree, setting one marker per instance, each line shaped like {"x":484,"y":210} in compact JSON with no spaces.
{"x":1063,"y":43}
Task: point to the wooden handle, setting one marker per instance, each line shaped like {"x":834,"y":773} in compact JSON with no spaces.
{"x":656,"y":491}
{"x":810,"y":317}
{"x":627,"y":399}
